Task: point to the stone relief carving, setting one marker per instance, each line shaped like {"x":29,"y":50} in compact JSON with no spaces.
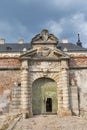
{"x":44,"y":36}
{"x":73,"y":82}
{"x":44,"y":51}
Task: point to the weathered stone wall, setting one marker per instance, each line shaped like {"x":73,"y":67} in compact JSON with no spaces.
{"x":56,"y":70}
{"x":78,"y":82}
{"x":9,"y":75}
{"x":8,"y":78}
{"x":35,"y":70}
{"x":79,"y":77}
{"x":9,"y":72}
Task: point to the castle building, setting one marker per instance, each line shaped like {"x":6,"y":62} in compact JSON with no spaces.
{"x":44,"y":76}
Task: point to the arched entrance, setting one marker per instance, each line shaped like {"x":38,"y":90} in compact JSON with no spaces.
{"x":44,"y":96}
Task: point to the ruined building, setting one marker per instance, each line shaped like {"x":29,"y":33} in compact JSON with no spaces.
{"x":44,"y":76}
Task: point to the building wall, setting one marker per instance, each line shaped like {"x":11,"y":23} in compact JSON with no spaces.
{"x":9,"y":72}
{"x":9,"y":75}
{"x":78,"y":80}
{"x":79,"y":61}
{"x":9,"y":62}
{"x":7,"y":79}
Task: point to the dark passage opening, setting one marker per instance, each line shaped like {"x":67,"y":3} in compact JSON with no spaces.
{"x":49,"y":105}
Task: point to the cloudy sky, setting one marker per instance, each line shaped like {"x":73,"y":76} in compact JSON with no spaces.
{"x":25,"y":18}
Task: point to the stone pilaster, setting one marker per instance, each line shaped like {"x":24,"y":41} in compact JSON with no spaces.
{"x":60,"y":94}
{"x":65,"y":86}
{"x":25,"y":89}
{"x":74,"y":98}
{"x":65,"y":89}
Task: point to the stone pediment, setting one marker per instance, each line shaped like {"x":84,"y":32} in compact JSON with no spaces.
{"x":45,"y":54}
{"x":44,"y":37}
{"x":60,"y":53}
{"x":28,"y":54}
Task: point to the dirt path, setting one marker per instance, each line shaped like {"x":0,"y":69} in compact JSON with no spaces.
{"x":52,"y":122}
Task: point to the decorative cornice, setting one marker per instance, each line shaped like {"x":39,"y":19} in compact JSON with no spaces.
{"x":78,"y":67}
{"x":9,"y":67}
{"x":44,"y":37}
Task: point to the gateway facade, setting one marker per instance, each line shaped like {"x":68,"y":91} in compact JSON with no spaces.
{"x":45,"y":76}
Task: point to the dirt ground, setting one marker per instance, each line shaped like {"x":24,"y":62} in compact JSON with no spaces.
{"x":52,"y":122}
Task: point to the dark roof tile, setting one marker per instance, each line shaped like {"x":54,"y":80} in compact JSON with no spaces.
{"x":15,"y":47}
{"x":71,"y":47}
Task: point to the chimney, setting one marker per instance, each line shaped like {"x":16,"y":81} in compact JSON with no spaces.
{"x":20,"y":41}
{"x":65,"y":40}
{"x":2,"y":41}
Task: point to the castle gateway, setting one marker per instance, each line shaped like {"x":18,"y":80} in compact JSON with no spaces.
{"x":45,"y":76}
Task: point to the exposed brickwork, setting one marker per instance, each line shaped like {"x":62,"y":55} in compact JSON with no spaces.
{"x":7,"y":79}
{"x":78,"y":61}
{"x":9,"y":62}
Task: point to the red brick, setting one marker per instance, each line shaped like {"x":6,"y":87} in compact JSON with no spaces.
{"x":78,"y":61}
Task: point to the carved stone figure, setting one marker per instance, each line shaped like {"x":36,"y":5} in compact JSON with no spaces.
{"x":44,"y":51}
{"x":44,"y":36}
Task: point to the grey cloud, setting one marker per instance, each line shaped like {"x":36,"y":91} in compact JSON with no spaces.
{"x":25,"y":18}
{"x":14,"y":31}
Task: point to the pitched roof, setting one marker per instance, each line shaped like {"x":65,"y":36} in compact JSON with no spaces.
{"x":15,"y":47}
{"x":70,"y":47}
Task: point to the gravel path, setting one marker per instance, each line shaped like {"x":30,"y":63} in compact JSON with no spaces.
{"x":52,"y":122}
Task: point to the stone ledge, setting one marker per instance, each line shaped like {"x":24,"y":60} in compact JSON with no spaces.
{"x":78,"y":67}
{"x":9,"y":68}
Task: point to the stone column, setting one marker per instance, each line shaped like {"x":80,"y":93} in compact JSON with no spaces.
{"x":65,"y":85}
{"x":24,"y":89}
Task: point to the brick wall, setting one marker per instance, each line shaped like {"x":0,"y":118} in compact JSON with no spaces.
{"x":78,"y":61}
{"x":9,"y":61}
{"x":8,"y":77}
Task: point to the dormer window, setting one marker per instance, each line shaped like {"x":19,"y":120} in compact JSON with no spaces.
{"x":8,"y":48}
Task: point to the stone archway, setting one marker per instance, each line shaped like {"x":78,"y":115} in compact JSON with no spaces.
{"x":44,"y":96}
